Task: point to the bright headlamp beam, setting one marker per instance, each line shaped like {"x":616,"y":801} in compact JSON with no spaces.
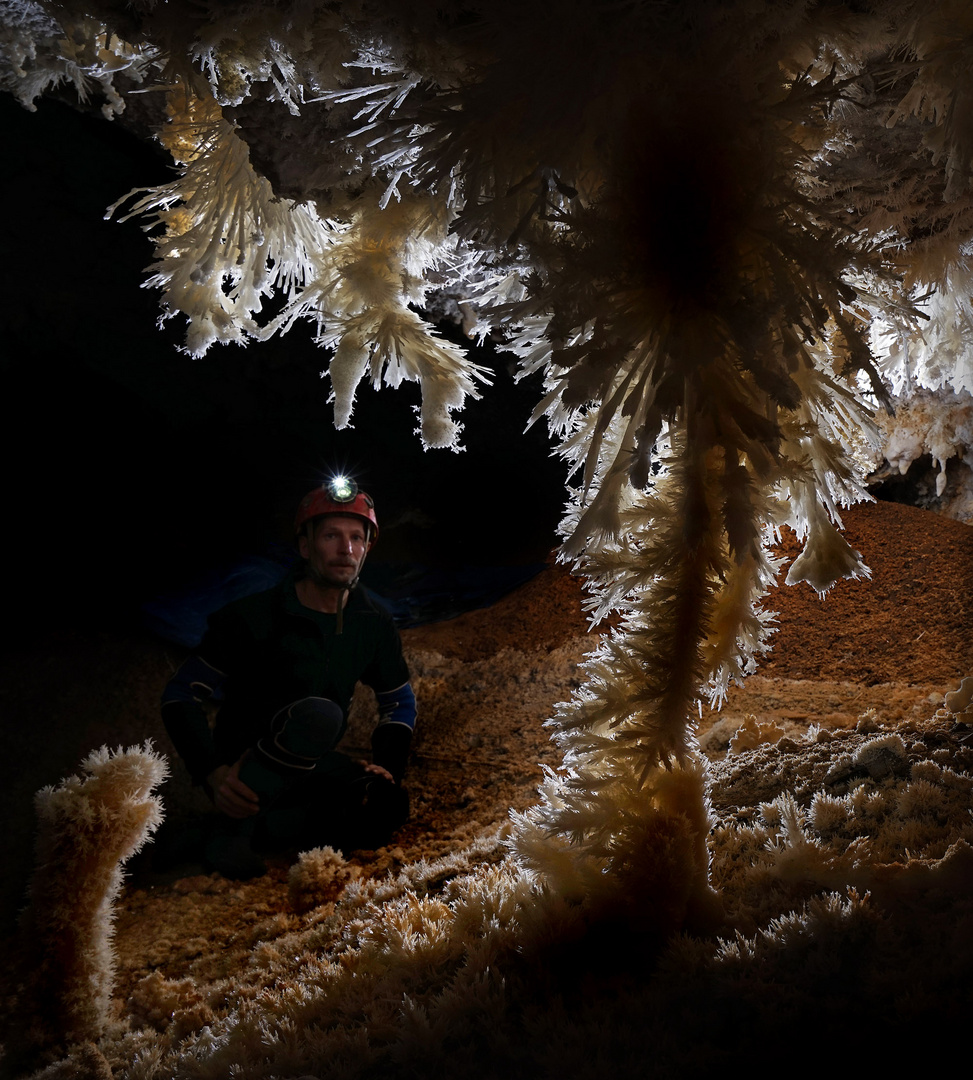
{"x":342,"y":489}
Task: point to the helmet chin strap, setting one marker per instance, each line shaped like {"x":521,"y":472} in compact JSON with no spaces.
{"x":320,"y":580}
{"x":343,"y":592}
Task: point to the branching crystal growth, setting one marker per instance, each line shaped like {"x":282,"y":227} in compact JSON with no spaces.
{"x":719,"y":231}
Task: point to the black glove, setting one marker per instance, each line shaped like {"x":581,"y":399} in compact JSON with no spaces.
{"x":384,"y":810}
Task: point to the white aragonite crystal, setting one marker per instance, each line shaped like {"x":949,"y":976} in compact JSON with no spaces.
{"x":936,"y":422}
{"x":827,"y":556}
{"x":959,"y":700}
{"x":88,"y":826}
{"x":664,"y":216}
{"x":827,"y":813}
{"x":882,"y":756}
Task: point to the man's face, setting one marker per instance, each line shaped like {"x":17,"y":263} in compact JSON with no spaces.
{"x":335,"y":550}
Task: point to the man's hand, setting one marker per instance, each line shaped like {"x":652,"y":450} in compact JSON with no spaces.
{"x":370,"y":766}
{"x":230,"y":794}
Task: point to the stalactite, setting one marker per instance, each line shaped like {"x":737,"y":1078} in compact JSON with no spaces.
{"x":680,"y":214}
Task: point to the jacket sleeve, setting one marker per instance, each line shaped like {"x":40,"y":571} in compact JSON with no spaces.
{"x":196,"y":690}
{"x":194,"y":687}
{"x":388,"y":676}
{"x":392,"y":736}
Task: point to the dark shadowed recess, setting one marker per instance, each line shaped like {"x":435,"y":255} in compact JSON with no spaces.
{"x":132,"y":468}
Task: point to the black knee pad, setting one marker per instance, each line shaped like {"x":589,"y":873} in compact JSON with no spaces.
{"x":301,"y":732}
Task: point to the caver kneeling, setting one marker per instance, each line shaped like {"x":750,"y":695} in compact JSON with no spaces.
{"x":280,"y":669}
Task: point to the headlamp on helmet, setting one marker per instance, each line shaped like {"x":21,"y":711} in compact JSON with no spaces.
{"x":340,"y":495}
{"x":342,"y":489}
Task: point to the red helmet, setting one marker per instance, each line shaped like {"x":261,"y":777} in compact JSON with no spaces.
{"x":338,"y":496}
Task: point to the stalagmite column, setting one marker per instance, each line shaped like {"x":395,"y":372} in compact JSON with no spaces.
{"x":87,"y":827}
